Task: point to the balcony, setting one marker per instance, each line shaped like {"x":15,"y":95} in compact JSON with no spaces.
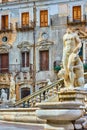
{"x":78,"y":21}
{"x":6,"y":28}
{"x":24,"y":27}
{"x":14,"y":68}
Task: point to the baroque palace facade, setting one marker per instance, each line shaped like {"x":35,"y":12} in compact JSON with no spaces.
{"x":31,"y":43}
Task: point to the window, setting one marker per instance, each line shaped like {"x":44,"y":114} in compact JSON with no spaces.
{"x":25,"y":92}
{"x":4,"y":63}
{"x":77,"y":13}
{"x":25,"y":59}
{"x":3,"y":1}
{"x":44,"y":60}
{"x":25,"y":19}
{"x":43,"y":18}
{"x":4,"y":22}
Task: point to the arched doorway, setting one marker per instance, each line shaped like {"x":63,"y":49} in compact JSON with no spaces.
{"x":25,"y":92}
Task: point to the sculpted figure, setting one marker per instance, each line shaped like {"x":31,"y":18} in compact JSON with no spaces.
{"x":72,"y":72}
{"x":71,"y":44}
{"x":3,"y":95}
{"x":12,"y":89}
{"x":62,"y":74}
{"x":76,"y":70}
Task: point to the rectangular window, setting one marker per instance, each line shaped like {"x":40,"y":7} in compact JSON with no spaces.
{"x":25,"y":59}
{"x":43,"y":18}
{"x":4,"y":63}
{"x":3,"y":1}
{"x":25,"y":19}
{"x":44,"y":60}
{"x":4,"y":22}
{"x":77,"y":13}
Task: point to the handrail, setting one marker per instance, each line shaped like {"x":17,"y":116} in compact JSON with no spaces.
{"x":32,"y":98}
{"x":59,"y":83}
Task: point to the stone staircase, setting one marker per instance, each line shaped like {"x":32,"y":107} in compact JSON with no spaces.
{"x":28,"y":114}
{"x":44,"y":94}
{"x":48,"y":93}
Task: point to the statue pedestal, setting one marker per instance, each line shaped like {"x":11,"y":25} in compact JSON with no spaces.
{"x":60,"y":115}
{"x":71,"y":95}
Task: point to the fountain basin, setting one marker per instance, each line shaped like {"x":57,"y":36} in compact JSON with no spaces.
{"x":64,"y":114}
{"x":60,"y":105}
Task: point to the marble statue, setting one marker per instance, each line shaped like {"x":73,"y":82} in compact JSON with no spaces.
{"x":12,"y":89}
{"x":3,"y":95}
{"x":76,"y":70}
{"x":72,"y":72}
{"x":71,"y":44}
{"x":49,"y":82}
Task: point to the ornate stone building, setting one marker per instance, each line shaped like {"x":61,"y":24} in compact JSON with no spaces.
{"x":31,"y":34}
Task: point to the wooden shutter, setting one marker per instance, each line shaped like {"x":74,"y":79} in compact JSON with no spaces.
{"x":44,"y":60}
{"x":25,"y":18}
{"x":77,"y":13}
{"x":3,"y":1}
{"x":4,"y":63}
{"x":5,"y":22}
{"x":44,"y":18}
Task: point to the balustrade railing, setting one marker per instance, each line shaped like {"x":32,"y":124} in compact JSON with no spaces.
{"x":40,"y":95}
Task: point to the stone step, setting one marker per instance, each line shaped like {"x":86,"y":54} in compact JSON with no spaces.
{"x":26,"y":115}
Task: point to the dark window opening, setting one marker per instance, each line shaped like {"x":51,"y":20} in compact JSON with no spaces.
{"x":25,"y":92}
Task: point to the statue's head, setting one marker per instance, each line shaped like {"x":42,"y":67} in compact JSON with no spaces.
{"x":2,"y":90}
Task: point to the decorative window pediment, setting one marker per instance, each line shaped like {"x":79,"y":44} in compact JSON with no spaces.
{"x":43,"y":41}
{"x":44,"y":44}
{"x":24,"y":46}
{"x":4,"y":48}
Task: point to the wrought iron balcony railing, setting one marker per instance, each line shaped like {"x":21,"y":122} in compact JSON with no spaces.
{"x":72,"y":21}
{"x":14,"y":68}
{"x":8,"y":28}
{"x":24,"y":27}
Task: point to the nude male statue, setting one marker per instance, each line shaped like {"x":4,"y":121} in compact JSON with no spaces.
{"x":72,"y":44}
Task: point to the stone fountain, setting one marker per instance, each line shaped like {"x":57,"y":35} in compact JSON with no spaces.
{"x":70,"y":107}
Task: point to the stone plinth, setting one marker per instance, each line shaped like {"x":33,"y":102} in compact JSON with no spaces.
{"x":71,"y":95}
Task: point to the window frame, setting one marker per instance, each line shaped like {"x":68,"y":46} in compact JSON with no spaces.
{"x":40,"y":63}
{"x":26,"y":59}
{"x":1,"y":64}
{"x":4,"y":21}
{"x":23,"y":16}
{"x":43,"y":24}
{"x":78,"y":16}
